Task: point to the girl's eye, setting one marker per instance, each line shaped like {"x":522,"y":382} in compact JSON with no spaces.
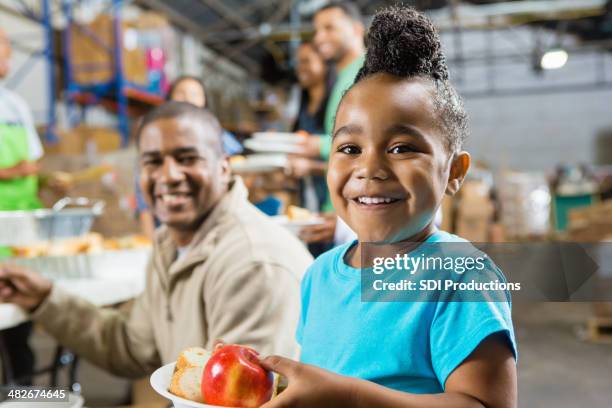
{"x":403,"y":148}
{"x":349,"y":149}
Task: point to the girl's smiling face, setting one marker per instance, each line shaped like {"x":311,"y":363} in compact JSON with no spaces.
{"x":390,"y":164}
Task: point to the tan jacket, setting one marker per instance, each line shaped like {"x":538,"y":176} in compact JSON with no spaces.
{"x":238,"y":281}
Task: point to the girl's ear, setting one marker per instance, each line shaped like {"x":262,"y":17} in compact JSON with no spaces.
{"x":458,"y":170}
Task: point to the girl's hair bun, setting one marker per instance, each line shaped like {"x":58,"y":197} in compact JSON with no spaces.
{"x":404,"y":42}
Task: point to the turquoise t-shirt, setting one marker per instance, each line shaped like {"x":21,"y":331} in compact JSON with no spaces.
{"x":408,"y":346}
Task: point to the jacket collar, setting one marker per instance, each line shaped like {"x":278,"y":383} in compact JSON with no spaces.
{"x":203,"y":242}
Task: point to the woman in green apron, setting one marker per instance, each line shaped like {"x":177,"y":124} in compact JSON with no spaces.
{"x":19,"y":192}
{"x":20,"y":148}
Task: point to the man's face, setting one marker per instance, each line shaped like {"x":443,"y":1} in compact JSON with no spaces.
{"x":5,"y":55}
{"x":183,"y":173}
{"x":334,"y":33}
{"x":389,"y":164}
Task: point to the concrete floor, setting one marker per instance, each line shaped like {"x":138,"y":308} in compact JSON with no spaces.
{"x":557,"y":368}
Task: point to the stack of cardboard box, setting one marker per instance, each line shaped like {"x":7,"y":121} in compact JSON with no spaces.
{"x":85,"y":139}
{"x":92,"y":48}
{"x":591,"y":224}
{"x":474,"y":211}
{"x":92,"y":57}
{"x":594,"y":225}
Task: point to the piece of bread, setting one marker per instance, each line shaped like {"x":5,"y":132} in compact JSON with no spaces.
{"x":192,"y":357}
{"x":295,"y":213}
{"x":186,"y":383}
{"x":187,"y":377}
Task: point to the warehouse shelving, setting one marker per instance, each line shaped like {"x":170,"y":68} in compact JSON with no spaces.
{"x":117,"y":94}
{"x":114,"y":94}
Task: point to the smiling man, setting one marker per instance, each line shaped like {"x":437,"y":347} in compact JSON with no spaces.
{"x":220,"y":268}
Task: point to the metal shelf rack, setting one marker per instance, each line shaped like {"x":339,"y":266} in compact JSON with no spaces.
{"x":114,"y":94}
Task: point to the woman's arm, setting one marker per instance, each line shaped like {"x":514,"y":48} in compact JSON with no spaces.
{"x":22,"y":169}
{"x":486,"y":379}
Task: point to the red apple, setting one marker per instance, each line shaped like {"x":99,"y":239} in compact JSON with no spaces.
{"x":233,"y":378}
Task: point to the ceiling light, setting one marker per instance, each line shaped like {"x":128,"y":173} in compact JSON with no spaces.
{"x":554,"y":59}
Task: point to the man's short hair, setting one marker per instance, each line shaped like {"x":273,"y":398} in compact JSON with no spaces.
{"x":348,"y":7}
{"x":173,"y":109}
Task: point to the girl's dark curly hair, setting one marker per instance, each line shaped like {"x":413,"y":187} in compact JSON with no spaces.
{"x":404,"y":42}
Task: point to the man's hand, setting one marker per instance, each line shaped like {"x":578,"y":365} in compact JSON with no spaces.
{"x":298,"y":166}
{"x":321,"y":232}
{"x":23,"y":287}
{"x":309,"y":386}
{"x":60,"y":182}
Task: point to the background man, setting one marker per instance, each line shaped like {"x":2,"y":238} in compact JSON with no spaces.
{"x":339,"y":38}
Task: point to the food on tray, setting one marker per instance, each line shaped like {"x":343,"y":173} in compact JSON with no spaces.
{"x":295,"y":213}
{"x":87,"y":244}
{"x":230,"y":377}
{"x":237,"y":159}
{"x":30,"y":251}
{"x":129,"y":242}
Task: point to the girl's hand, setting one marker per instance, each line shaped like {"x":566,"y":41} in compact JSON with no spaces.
{"x":309,"y":386}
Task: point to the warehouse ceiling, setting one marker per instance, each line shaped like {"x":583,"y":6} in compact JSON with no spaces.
{"x":258,"y":34}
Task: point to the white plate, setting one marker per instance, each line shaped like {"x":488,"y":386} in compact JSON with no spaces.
{"x":260,"y":145}
{"x":160,"y":381}
{"x":279,"y":137}
{"x":260,"y":163}
{"x":295,"y":226}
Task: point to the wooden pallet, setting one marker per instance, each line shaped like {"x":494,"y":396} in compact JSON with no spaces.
{"x":600,"y":329}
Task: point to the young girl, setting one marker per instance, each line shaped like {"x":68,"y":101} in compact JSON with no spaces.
{"x":396,"y":150}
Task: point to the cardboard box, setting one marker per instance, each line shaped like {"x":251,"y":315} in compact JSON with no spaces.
{"x":448,"y":214}
{"x":85,"y":139}
{"x":92,"y":53}
{"x":474,"y":212}
{"x":591,"y":224}
{"x":474,"y":229}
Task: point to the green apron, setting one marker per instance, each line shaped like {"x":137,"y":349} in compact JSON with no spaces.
{"x":20,"y":193}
